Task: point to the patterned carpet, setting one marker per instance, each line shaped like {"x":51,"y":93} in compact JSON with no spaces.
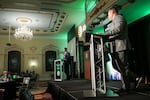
{"x":38,"y":92}
{"x":38,"y":96}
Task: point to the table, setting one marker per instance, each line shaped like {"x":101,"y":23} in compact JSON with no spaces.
{"x":10,"y":89}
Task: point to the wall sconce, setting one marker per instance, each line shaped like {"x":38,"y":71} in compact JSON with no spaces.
{"x":81,"y":30}
{"x":33,"y":64}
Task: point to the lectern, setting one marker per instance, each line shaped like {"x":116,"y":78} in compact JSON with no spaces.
{"x":97,"y":65}
{"x":58,"y":70}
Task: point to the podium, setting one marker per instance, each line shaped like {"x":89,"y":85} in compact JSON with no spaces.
{"x":97,"y":65}
{"x":58,"y":70}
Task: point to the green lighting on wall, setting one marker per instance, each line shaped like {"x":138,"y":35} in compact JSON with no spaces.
{"x":91,"y":5}
{"x":136,"y":11}
{"x":62,"y":36}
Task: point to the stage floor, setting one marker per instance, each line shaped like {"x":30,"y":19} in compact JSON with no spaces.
{"x":81,"y":90}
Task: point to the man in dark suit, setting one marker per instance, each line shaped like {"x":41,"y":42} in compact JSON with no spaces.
{"x":67,"y":61}
{"x":117,"y":38}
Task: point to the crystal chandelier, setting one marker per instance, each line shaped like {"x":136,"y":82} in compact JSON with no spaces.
{"x":23,"y":32}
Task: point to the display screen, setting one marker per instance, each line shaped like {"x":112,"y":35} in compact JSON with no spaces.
{"x":112,"y":73}
{"x":58,"y":70}
{"x":72,"y":48}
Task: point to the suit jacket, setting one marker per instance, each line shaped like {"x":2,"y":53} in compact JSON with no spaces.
{"x":118,"y":34}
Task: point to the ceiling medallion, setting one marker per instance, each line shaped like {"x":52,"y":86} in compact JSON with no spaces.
{"x":23,"y":20}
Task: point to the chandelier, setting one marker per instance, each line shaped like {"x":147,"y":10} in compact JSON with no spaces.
{"x":23,"y":32}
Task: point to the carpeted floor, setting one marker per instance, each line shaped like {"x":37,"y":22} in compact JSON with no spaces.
{"x":38,"y":96}
{"x":37,"y":90}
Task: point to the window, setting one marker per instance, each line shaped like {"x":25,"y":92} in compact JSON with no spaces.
{"x":50,"y":56}
{"x":14,"y":61}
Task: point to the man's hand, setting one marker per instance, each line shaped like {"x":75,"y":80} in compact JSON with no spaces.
{"x":105,"y":37}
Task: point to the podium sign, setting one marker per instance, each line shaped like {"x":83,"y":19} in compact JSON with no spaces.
{"x":58,"y":70}
{"x":97,"y":64}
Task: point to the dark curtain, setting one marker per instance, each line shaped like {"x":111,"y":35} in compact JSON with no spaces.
{"x":139,"y":35}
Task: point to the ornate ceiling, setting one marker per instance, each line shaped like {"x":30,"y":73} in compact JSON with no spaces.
{"x":47,"y":16}
{"x":51,"y":17}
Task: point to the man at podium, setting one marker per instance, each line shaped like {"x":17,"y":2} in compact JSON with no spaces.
{"x":117,"y":38}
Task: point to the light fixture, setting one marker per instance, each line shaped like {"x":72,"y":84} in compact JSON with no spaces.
{"x":23,"y":32}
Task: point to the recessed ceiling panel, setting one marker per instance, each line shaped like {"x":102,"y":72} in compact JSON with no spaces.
{"x":42,"y":21}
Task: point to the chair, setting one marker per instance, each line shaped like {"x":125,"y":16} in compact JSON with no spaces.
{"x":26,"y":82}
{"x":25,"y":94}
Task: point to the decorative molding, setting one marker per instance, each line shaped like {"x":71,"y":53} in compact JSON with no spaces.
{"x":49,"y":47}
{"x":14,"y":47}
{"x":33,"y":49}
{"x":100,"y":8}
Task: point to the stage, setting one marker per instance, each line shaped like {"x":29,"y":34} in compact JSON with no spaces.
{"x":81,"y":90}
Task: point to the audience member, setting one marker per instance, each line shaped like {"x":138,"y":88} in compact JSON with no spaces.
{"x":5,"y":76}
